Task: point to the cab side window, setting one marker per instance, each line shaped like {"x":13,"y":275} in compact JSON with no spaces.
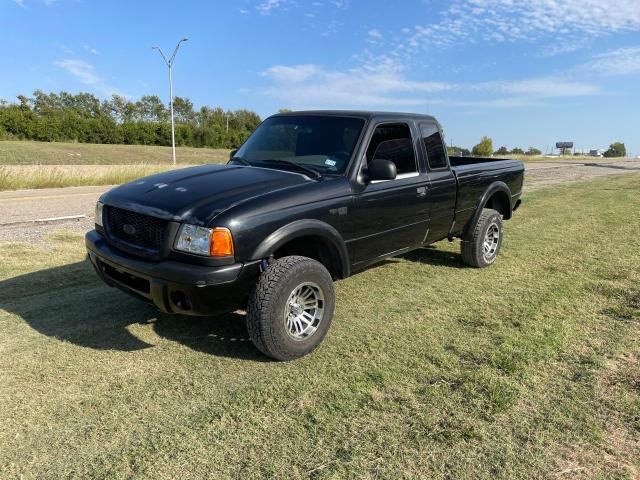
{"x":433,"y":145}
{"x":393,"y":142}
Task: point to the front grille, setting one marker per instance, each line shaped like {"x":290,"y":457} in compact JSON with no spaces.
{"x":135,"y":229}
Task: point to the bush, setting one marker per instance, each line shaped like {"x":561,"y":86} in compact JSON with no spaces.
{"x":484,"y":148}
{"x":53,"y":117}
{"x":532,"y":152}
{"x":616,"y":149}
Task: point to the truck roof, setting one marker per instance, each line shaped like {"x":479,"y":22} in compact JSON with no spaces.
{"x":367,"y":114}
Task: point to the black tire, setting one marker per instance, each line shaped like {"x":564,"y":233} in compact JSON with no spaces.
{"x":266,"y":322}
{"x":472,"y":246}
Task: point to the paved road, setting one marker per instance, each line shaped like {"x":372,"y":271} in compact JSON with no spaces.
{"x":29,"y":205}
{"x":541,"y":174}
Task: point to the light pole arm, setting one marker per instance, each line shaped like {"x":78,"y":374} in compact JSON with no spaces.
{"x":176,"y":51}
{"x":163,"y":56}
{"x":170,"y":65}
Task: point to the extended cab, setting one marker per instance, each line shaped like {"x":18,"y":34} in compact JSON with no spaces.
{"x":310,"y":197}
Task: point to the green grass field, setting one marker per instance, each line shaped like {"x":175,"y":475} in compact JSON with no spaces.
{"x":528,"y":369}
{"x":25,"y":164}
{"x":15,"y":152}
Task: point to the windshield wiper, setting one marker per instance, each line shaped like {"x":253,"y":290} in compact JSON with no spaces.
{"x":241,"y":160}
{"x":316,"y":174}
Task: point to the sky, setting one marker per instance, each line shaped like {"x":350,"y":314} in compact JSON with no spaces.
{"x":526,"y":73}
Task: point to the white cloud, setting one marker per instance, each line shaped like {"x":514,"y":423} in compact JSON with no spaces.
{"x":86,"y":73}
{"x":20,"y":3}
{"x":544,"y":87}
{"x":311,"y":85}
{"x":622,"y":61}
{"x":565,"y":25}
{"x":383,"y":83}
{"x":90,"y":49}
{"x":374,"y":36}
{"x":266,"y":7}
{"x":331,"y":28}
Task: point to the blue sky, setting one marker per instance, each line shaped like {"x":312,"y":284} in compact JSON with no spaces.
{"x":527,"y":73}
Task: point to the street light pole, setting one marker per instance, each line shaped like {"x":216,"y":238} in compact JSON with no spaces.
{"x":169,"y":63}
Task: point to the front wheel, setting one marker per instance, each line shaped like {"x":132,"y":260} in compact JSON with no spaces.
{"x":291,"y":307}
{"x":480,"y":247}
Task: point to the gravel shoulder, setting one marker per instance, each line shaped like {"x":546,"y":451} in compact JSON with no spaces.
{"x":32,"y":205}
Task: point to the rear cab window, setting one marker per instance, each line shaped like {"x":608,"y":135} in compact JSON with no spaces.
{"x":434,"y":146}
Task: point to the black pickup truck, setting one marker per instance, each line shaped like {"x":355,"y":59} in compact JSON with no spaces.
{"x":310,"y":197}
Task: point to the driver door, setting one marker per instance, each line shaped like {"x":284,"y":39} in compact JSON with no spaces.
{"x":391,"y":215}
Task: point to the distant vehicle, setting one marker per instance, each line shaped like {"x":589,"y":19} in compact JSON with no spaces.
{"x":310,"y":197}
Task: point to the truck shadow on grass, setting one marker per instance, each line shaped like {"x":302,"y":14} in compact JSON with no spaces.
{"x":432,"y":256}
{"x":71,"y":304}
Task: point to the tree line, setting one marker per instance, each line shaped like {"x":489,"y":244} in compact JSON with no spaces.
{"x":84,"y":118}
{"x":484,"y":148}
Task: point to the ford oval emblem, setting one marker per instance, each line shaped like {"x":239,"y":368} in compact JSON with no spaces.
{"x":129,"y":229}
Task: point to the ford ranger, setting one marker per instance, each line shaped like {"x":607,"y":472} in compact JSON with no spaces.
{"x":309,"y":198}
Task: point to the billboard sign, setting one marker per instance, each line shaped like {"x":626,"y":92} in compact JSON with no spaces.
{"x":564,"y":145}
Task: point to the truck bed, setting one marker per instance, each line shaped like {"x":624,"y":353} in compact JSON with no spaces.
{"x":461,"y":161}
{"x":475,"y":174}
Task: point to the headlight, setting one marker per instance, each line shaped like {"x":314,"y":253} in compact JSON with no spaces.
{"x":99,"y":206}
{"x":215,"y":242}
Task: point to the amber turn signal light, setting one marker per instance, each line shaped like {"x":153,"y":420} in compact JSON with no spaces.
{"x":221,"y":244}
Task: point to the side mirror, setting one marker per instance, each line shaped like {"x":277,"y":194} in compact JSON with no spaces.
{"x":381,"y":169}
{"x":232,"y":153}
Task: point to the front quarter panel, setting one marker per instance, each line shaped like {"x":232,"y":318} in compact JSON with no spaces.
{"x":327,"y":202}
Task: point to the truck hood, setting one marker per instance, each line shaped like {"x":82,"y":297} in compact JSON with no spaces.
{"x":197,"y":194}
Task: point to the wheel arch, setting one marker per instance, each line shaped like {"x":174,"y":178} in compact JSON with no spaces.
{"x":498,"y":197}
{"x":311,"y":234}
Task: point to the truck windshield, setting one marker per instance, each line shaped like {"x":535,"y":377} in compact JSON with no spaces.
{"x":321,"y":143}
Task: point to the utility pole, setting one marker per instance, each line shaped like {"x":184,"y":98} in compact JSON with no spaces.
{"x":169,"y":63}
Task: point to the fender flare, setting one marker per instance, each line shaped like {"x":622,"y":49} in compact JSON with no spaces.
{"x":489,"y":192}
{"x":303,"y":228}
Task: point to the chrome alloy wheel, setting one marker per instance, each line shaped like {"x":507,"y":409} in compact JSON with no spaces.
{"x":491,"y":240}
{"x":304,"y":311}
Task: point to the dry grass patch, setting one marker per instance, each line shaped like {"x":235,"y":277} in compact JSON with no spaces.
{"x":14,"y":177}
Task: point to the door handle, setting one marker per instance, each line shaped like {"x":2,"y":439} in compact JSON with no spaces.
{"x":421,"y":191}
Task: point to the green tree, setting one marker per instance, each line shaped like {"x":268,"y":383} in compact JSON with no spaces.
{"x":484,"y":148}
{"x":533,"y":152}
{"x":183,"y":109}
{"x":83,"y":117}
{"x":517,"y":151}
{"x":502,"y":151}
{"x":616,"y":149}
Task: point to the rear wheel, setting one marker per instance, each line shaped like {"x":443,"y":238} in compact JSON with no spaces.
{"x":291,"y":307}
{"x":481,"y":245}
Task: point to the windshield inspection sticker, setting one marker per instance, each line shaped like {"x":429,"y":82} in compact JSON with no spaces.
{"x":331,"y":163}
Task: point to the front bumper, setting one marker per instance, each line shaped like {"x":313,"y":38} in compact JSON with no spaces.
{"x":173,"y":287}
